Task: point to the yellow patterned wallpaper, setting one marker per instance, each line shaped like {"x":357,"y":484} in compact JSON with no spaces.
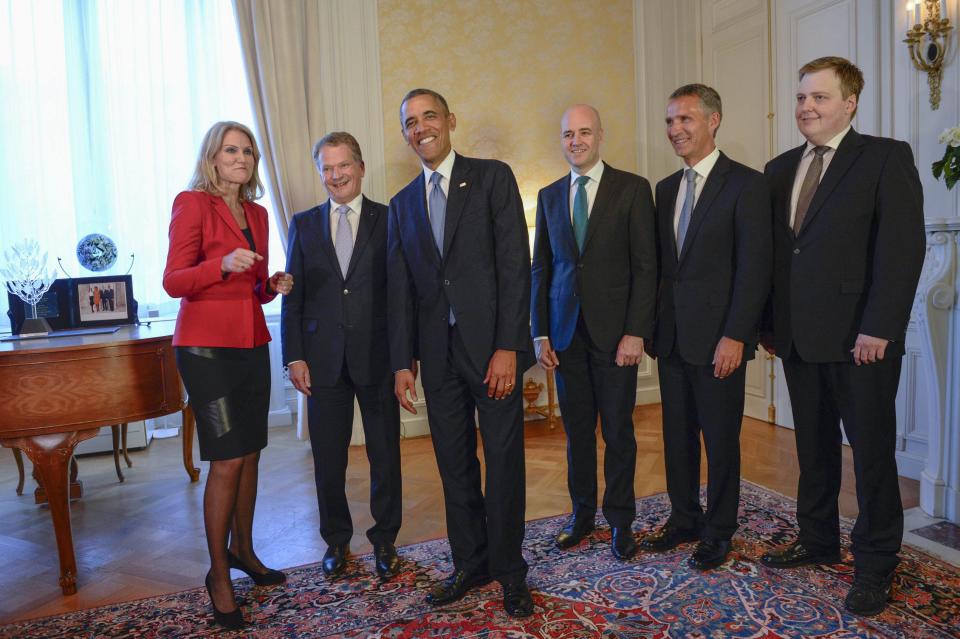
{"x":508,"y":69}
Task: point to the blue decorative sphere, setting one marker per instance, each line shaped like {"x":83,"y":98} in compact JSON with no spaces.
{"x":96,"y":252}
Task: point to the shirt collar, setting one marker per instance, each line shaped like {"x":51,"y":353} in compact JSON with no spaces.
{"x":354,"y":204}
{"x":833,"y":142}
{"x":445,"y":168}
{"x":594,"y":173}
{"x":704,"y":166}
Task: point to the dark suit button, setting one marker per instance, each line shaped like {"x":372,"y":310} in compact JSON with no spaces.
{"x":446,"y":282}
{"x":346,"y":291}
{"x":579,"y":265}
{"x":796,"y":251}
{"x":339,"y":325}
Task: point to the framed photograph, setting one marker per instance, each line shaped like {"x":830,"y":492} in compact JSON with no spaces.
{"x":106,"y":300}
{"x":54,"y":306}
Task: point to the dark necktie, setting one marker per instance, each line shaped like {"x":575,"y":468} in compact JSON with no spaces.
{"x":687,"y":209}
{"x":809,"y":187}
{"x":580,"y":211}
{"x":344,"y":240}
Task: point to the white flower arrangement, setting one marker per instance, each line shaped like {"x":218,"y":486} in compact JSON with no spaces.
{"x":949,"y":166}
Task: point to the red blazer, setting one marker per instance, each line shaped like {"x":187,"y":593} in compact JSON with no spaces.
{"x":215,"y":311}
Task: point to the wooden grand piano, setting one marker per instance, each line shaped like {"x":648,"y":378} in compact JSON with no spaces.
{"x":59,"y":391}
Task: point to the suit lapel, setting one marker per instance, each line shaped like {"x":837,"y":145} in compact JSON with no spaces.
{"x":713,"y":186}
{"x":421,"y":216}
{"x":326,"y":240}
{"x":668,"y":210}
{"x":560,"y":216}
{"x":368,"y":219}
{"x":459,"y":188}
{"x":789,"y":177}
{"x":606,"y":191}
{"x":848,"y":151}
{"x":224,"y":212}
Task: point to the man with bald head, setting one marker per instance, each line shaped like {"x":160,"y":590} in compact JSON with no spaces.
{"x":594,"y":291}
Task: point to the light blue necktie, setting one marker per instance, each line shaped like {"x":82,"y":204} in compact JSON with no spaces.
{"x":438,"y":215}
{"x":438,"y":210}
{"x":344,"y":241}
{"x":687,"y":210}
{"x":580,"y":211}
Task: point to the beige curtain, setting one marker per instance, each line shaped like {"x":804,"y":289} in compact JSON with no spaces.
{"x":283,"y":56}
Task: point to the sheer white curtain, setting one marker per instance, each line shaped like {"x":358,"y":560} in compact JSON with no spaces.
{"x":104,"y":104}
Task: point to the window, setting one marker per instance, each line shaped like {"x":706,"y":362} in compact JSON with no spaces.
{"x":105,"y":103}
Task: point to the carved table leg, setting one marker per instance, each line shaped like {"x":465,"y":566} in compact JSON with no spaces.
{"x":18,"y":457}
{"x":51,"y":455}
{"x":189,"y":425}
{"x":551,"y":405}
{"x":115,"y":432}
{"x":123,"y":436}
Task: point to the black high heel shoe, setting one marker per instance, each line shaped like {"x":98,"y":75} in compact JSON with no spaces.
{"x":232,"y":620}
{"x":269,"y":578}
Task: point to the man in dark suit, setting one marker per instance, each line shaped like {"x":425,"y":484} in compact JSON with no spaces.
{"x":849,"y":246}
{"x":334,"y":327}
{"x":459,"y":300}
{"x":594,"y":288}
{"x":715,"y":260}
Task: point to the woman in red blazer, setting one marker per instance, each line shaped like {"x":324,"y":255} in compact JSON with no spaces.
{"x":217,"y":265}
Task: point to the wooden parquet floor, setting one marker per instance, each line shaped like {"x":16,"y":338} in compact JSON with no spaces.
{"x":144,"y":537}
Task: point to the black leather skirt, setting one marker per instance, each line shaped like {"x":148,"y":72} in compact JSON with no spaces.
{"x":229,"y":392}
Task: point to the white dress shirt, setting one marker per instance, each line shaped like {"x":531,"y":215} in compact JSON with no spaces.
{"x":445,"y":169}
{"x":702,"y":169}
{"x":353,"y":217}
{"x":805,"y":161}
{"x":590,"y":187}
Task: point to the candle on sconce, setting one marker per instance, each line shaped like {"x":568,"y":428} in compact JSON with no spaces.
{"x":918,"y":12}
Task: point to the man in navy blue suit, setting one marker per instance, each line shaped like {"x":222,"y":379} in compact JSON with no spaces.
{"x":594,"y":289}
{"x":459,"y":300}
{"x":334,"y":333}
{"x":715,"y":260}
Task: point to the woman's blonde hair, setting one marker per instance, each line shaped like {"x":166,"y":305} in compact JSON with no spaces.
{"x":205,"y":176}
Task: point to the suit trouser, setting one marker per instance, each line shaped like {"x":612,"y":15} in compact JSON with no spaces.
{"x":330,"y":419}
{"x":864,"y":397}
{"x":695,"y":401}
{"x":485,"y":532}
{"x":589,"y":383}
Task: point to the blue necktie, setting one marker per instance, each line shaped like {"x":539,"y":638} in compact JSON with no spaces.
{"x":687,"y":210}
{"x":580,"y":211}
{"x":438,"y":215}
{"x":438,"y":210}
{"x":344,"y":241}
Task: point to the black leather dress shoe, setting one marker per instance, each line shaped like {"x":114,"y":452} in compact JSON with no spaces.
{"x":574,"y":532}
{"x":335,"y":559}
{"x":797,"y":554}
{"x":869,"y":594}
{"x":517,"y":600}
{"x":622,"y":543}
{"x":668,"y":537}
{"x":454,"y":587}
{"x":386,"y":559}
{"x":709,"y":554}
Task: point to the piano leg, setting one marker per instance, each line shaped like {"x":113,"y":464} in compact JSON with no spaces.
{"x":189,"y":425}
{"x":51,"y":455}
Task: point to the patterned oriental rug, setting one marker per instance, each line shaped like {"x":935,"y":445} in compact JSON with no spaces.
{"x":579,"y":593}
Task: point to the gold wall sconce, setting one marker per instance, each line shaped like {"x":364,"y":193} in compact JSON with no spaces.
{"x":928,"y":40}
